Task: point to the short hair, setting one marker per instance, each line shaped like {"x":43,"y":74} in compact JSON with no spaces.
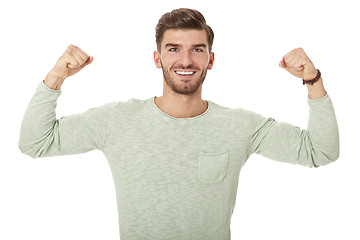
{"x":182,"y":18}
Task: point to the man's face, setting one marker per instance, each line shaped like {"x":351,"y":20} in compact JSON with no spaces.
{"x":184,"y":60}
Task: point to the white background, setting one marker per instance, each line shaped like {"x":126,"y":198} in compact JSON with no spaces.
{"x":73,"y":197}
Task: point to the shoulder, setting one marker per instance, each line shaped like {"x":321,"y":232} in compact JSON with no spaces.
{"x":133,"y":104}
{"x":132,"y":107}
{"x":232,"y":112}
{"x":238,"y":115}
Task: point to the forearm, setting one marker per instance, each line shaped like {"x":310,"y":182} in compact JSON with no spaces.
{"x":322,"y":131}
{"x":317,"y":90}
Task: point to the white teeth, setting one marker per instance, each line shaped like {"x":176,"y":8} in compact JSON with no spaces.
{"x":184,"y":73}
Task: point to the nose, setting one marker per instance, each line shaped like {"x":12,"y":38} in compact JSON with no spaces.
{"x":186,"y":59}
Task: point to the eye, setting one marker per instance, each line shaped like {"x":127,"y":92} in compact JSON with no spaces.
{"x":198,"y":50}
{"x":173,"y":50}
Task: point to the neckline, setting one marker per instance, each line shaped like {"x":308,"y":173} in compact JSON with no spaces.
{"x":181,"y":119}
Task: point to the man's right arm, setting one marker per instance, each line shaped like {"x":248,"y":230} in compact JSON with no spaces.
{"x":44,"y":135}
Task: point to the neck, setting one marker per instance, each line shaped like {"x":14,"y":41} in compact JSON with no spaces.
{"x":181,"y":105}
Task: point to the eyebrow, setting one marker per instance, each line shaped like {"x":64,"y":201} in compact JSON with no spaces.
{"x":199,"y":45}
{"x":172,"y":45}
{"x":178,"y":45}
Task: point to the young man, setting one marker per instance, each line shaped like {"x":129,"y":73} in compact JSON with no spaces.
{"x":176,"y":158}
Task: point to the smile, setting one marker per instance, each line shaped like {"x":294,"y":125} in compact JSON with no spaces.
{"x":185,"y":73}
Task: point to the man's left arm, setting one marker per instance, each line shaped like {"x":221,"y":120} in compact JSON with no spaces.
{"x":319,"y":143}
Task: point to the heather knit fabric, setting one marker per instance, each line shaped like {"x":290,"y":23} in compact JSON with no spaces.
{"x":176,"y":178}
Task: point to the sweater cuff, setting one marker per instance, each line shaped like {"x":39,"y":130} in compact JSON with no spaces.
{"x":45,"y":92}
{"x":324,"y":98}
{"x":42,"y":85}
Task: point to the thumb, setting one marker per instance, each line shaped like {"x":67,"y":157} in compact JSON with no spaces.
{"x":282,"y":63}
{"x":292,"y":71}
{"x":88,"y":61}
{"x":73,"y":71}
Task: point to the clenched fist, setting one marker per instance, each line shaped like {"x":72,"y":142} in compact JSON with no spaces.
{"x":299,"y":64}
{"x":72,"y":61}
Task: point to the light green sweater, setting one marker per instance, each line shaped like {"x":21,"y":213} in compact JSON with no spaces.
{"x":176,"y":178}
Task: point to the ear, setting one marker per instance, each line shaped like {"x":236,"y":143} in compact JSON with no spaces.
{"x":211,"y":61}
{"x":157,"y":59}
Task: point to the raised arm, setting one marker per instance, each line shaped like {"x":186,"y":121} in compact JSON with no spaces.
{"x":44,"y":135}
{"x":319,"y":143}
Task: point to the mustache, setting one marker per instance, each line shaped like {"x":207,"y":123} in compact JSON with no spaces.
{"x":190,"y":66}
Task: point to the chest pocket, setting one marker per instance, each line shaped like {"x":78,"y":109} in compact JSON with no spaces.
{"x":212,"y":166}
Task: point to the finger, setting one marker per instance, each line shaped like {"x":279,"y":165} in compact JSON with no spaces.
{"x":296,"y":64}
{"x":291,"y":57}
{"x":81,"y":57}
{"x":295,"y":61}
{"x":282,"y":63}
{"x":78,"y":54}
{"x":290,"y":54}
{"x":298,"y":67}
{"x":78,"y":60}
{"x":72,"y":62}
{"x":287,"y":62}
{"x":89,"y":60}
{"x":84,"y":56}
{"x":291,"y":70}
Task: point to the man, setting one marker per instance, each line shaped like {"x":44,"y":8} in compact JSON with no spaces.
{"x":176,"y":158}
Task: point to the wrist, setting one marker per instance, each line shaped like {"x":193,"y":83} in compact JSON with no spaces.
{"x":53,"y":81}
{"x":316,"y":90}
{"x":311,"y":81}
{"x":311,"y":75}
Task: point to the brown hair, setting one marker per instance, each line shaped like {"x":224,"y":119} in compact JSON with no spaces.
{"x":182,"y":18}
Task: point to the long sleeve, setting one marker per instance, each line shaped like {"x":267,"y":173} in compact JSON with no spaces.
{"x":43,"y":135}
{"x":316,"y":146}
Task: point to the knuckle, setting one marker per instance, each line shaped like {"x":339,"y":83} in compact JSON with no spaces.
{"x":72,"y":47}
